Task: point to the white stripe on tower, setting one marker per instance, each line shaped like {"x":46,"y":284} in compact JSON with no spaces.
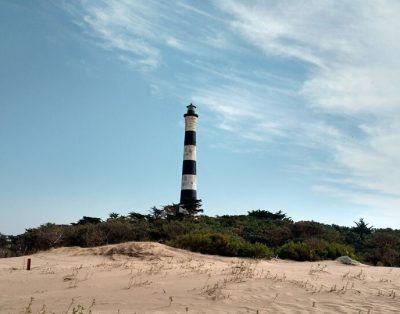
{"x":189,"y":182}
{"x":189,"y":152}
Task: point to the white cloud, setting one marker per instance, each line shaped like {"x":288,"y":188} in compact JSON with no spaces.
{"x":178,"y":44}
{"x":218,"y":40}
{"x":121,"y":26}
{"x":142,"y":29}
{"x":346,"y":89}
{"x":374,"y":164}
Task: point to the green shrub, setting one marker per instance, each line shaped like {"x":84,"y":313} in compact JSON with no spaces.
{"x":295,"y":251}
{"x":239,"y":235}
{"x":303,"y":230}
{"x":384,"y":249}
{"x":270,"y":234}
{"x":313,"y":250}
{"x":103,"y":233}
{"x":220,"y":244}
{"x":336,"y":250}
{"x":256,"y":250}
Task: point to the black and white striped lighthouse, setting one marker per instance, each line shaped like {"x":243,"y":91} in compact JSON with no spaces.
{"x":189,"y":182}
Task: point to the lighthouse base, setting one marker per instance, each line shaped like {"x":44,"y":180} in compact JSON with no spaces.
{"x":189,"y":207}
{"x":188,"y":196}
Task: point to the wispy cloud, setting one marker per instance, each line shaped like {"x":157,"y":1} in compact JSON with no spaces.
{"x":123,"y":26}
{"x":140,"y":30}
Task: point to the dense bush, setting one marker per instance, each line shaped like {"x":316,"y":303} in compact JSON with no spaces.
{"x":303,"y":230}
{"x":242,"y":235}
{"x":221,"y":244}
{"x":5,"y":246}
{"x":270,"y":234}
{"x":103,"y":233}
{"x":265,"y":214}
{"x":296,"y":251}
{"x":384,"y":249}
{"x":313,"y":250}
{"x":256,"y":250}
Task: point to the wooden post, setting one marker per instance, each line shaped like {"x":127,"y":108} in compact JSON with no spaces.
{"x":28,"y":264}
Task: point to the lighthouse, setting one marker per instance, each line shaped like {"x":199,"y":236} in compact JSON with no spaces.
{"x":188,"y":201}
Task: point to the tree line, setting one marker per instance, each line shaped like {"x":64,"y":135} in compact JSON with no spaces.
{"x":258,"y":234}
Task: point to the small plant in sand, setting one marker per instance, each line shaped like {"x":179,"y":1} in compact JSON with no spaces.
{"x":72,"y":278}
{"x":48,"y":271}
{"x":278,"y":278}
{"x":360,"y":275}
{"x":318,"y":269}
{"x":214,"y":291}
{"x":69,"y":306}
{"x":135,"y":280}
{"x":304,"y":284}
{"x":78,"y":309}
{"x":241,"y":271}
{"x":390,"y":293}
{"x":28,"y":308}
{"x":384,"y":280}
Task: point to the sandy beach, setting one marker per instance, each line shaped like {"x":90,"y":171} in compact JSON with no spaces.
{"x":153,"y":278}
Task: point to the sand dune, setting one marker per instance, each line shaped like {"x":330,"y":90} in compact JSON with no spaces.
{"x":153,"y":278}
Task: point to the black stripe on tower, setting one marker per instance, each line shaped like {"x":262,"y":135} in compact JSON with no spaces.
{"x":190,"y":137}
{"x":189,"y":167}
{"x":188,"y":196}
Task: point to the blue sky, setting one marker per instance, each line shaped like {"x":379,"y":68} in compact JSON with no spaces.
{"x":298,"y":102}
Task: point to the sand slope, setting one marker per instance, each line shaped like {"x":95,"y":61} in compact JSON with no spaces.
{"x":152,"y":278}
